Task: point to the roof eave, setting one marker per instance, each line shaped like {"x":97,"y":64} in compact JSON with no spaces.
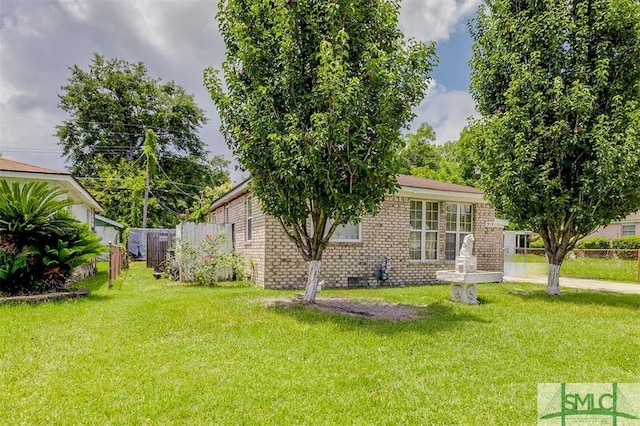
{"x":109,"y":221}
{"x":441,"y":195}
{"x":234,"y":193}
{"x":67,"y":179}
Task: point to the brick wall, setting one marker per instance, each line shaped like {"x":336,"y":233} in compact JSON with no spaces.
{"x":276,"y":263}
{"x":235,"y":213}
{"x":488,"y":241}
{"x":385,"y":235}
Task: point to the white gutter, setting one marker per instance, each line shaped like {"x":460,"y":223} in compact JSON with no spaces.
{"x":440,"y":195}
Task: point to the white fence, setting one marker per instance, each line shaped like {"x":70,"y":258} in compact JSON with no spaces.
{"x":193,"y":233}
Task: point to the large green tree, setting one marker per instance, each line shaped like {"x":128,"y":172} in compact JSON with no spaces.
{"x":558,"y":86}
{"x":315,"y":95}
{"x":461,"y":154}
{"x":111,"y":105}
{"x":120,"y":189}
{"x":421,"y":156}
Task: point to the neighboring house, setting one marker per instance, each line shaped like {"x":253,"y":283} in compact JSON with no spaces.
{"x":86,"y":206}
{"x":630,"y":225}
{"x":419,"y":231}
{"x":109,"y":230}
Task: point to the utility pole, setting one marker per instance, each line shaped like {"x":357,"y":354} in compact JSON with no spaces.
{"x":145,"y":204}
{"x":150,"y":142}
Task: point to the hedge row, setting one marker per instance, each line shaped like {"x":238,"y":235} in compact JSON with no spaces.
{"x":631,"y":242}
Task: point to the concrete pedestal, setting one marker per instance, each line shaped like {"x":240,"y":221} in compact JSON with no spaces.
{"x":465,"y":293}
{"x":464,"y":285}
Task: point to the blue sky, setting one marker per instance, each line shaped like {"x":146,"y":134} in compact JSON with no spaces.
{"x":176,"y":39}
{"x":454,"y":54}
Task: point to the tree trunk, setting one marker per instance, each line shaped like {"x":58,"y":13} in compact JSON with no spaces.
{"x":312,"y":281}
{"x":553,"y":281}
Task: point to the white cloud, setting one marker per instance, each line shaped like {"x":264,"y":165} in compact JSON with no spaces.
{"x":446,"y":111}
{"x":434,"y":19}
{"x":176,"y":39}
{"x":79,"y":9}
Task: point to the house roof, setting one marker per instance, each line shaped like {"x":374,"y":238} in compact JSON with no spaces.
{"x":234,"y":193}
{"x":109,"y":221}
{"x":16,"y":166}
{"x":409,"y":186}
{"x":11,"y":169}
{"x":418,"y":182}
{"x":417,"y":187}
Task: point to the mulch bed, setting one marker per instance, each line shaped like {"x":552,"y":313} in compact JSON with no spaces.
{"x":387,"y":311}
{"x":43,"y":297}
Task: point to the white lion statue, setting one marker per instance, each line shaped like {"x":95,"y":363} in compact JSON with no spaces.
{"x":467,"y":246}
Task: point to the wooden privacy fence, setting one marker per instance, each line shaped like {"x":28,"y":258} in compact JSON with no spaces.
{"x":158,"y":244}
{"x":116,"y":261}
{"x":193,"y":233}
{"x":138,"y":238}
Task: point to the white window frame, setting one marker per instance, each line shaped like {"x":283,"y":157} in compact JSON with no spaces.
{"x":625,"y":233}
{"x":249,"y":223}
{"x":335,"y":239}
{"x":459,"y":234}
{"x":423,"y":231}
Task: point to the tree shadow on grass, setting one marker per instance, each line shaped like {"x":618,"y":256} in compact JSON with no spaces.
{"x":582,"y":297}
{"x":432,"y":318}
{"x":95,"y":282}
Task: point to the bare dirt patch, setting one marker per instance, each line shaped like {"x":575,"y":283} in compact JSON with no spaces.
{"x":387,"y":311}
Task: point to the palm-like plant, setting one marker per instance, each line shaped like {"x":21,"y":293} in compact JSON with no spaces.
{"x":13,"y":272}
{"x":66,"y":253}
{"x":30,"y":212}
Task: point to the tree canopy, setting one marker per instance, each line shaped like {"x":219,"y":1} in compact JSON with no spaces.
{"x":315,"y":96}
{"x":111,"y":106}
{"x":449,"y":162}
{"x":558,"y":85}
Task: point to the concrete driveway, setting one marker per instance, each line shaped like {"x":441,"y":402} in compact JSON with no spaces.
{"x":596,"y":285}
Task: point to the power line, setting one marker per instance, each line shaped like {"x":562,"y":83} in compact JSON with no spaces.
{"x":164,"y":206}
{"x":107,"y":179}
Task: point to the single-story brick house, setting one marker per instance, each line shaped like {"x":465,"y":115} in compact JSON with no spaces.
{"x":419,"y":231}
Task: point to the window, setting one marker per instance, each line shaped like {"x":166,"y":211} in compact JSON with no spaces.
{"x":628,"y":230}
{"x":459,"y":224}
{"x":423,"y":230}
{"x":249,"y":216}
{"x":348,"y":232}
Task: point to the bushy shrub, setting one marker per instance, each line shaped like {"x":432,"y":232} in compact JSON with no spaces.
{"x":594,"y":243}
{"x":536,"y":241}
{"x":631,"y":242}
{"x":40,"y":242}
{"x":77,"y":246}
{"x":630,"y":245}
{"x":205,"y":263}
{"x":14,"y":270}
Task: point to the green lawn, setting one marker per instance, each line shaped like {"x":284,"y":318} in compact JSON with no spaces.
{"x":584,"y":267}
{"x":157,"y":352}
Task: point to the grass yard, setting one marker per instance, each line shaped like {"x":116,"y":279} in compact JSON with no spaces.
{"x":584,"y":267}
{"x":158,"y":352}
